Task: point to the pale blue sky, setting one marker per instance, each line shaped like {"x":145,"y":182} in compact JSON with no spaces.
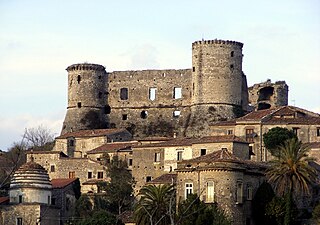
{"x":40,"y":38}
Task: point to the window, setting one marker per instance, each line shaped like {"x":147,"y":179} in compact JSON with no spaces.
{"x":176,"y":113}
{"x":53,"y":201}
{"x":193,"y":69}
{"x":19,"y":221}
{"x":239,"y":192}
{"x":100,"y":95}
{"x":100,"y":175}
{"x":52,"y":168}
{"x":124,"y":93}
{"x":144,"y":114}
{"x":249,"y":135}
{"x":72,"y":174}
{"x":249,"y":192}
{"x":210,"y":191}
{"x":124,"y":116}
{"x":230,"y":132}
{"x":203,"y":151}
{"x":79,"y":104}
{"x":130,"y":162}
{"x":318,"y":131}
{"x":71,"y":142}
{"x":148,"y":178}
{"x":49,"y":200}
{"x":20,"y":198}
{"x":295,"y":130}
{"x":157,"y":157}
{"x":89,"y":175}
{"x":107,"y":109}
{"x":232,"y":53}
{"x":152,"y":93}
{"x":179,"y":155}
{"x":78,"y":79}
{"x":177,"y":92}
{"x":188,"y":189}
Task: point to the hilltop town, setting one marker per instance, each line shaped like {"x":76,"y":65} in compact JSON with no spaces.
{"x":200,"y":129}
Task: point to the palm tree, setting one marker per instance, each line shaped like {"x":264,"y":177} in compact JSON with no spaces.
{"x":291,"y":174}
{"x":156,"y":205}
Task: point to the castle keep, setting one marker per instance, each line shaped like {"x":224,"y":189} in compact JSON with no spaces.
{"x":182,"y":102}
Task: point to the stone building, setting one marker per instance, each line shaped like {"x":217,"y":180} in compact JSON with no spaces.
{"x":223,"y":179}
{"x":252,"y":126}
{"x":77,"y":143}
{"x":267,"y":95}
{"x":155,"y":159}
{"x":30,"y":198}
{"x":183,"y":102}
{"x":59,"y":166}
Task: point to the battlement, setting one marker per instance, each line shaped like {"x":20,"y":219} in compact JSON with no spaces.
{"x":216,"y":41}
{"x":85,"y":66}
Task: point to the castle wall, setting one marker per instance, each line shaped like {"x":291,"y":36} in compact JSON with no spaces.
{"x":157,"y":101}
{"x":268,"y":95}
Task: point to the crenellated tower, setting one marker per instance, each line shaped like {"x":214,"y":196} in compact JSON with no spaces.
{"x":87,"y":98}
{"x":218,"y":83}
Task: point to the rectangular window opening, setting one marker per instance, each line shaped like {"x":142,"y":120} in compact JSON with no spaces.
{"x":19,"y":221}
{"x":152,"y":93}
{"x":230,"y":132}
{"x":100,"y":175}
{"x":52,"y":168}
{"x":179,"y":155}
{"x":203,"y":151}
{"x":130,"y":162}
{"x":249,"y":135}
{"x":318,"y":131}
{"x":124,"y":116}
{"x":157,"y":157}
{"x":177,"y":92}
{"x":188,"y":189}
{"x":176,"y":113}
{"x":72,"y":174}
{"x":149,"y":178}
{"x":124,"y":93}
{"x":210,"y":191}
{"x":239,"y":193}
{"x":89,"y":175}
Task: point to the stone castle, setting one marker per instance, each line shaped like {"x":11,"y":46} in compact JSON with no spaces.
{"x":183,"y":102}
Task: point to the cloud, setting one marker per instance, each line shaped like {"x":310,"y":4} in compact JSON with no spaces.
{"x":12,"y":128}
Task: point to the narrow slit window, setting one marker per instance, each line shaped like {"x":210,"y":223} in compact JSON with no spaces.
{"x":188,"y":189}
{"x":79,"y":104}
{"x":124,"y":116}
{"x":176,"y":113}
{"x":210,"y":191}
{"x":78,"y":79}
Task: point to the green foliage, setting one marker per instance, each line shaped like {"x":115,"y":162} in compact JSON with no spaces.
{"x":76,"y":188}
{"x":118,"y":192}
{"x":101,"y":218}
{"x":262,"y":198}
{"x":192,"y":211}
{"x":276,"y":137}
{"x":316,"y":214}
{"x":276,"y":209}
{"x":156,"y":205}
{"x":291,"y":172}
{"x":83,"y":206}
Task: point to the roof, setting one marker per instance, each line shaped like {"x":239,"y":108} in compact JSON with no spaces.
{"x":168,"y":178}
{"x":47,"y":152}
{"x":91,"y":133}
{"x":112,"y":147}
{"x":282,"y":115}
{"x":4,"y":200}
{"x":190,"y":141}
{"x":221,"y":155}
{"x":63,"y":182}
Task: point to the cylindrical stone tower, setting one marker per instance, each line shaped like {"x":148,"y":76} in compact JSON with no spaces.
{"x":217,"y":83}
{"x":87,"y":98}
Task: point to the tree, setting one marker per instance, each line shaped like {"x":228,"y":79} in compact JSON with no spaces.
{"x":290,"y":174}
{"x":156,"y":205}
{"x":83,"y":206}
{"x":39,"y":138}
{"x":101,"y":218}
{"x":118,"y":192}
{"x":275,"y":137}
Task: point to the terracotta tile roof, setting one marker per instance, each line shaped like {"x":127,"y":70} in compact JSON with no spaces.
{"x":224,"y":123}
{"x":154,"y":139}
{"x":257,"y":115}
{"x":112,"y":147}
{"x":61,"y":183}
{"x":4,"y":200}
{"x":190,"y":141}
{"x":47,"y":152}
{"x":221,"y":155}
{"x":91,"y":133}
{"x":168,"y":178}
